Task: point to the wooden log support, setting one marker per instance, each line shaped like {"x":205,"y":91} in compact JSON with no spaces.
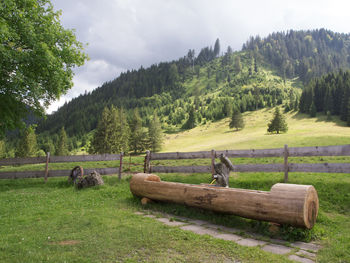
{"x":120,"y":166}
{"x":212,"y":162}
{"x":47,"y":166}
{"x":146,"y":167}
{"x":292,"y":204}
{"x":286,"y":168}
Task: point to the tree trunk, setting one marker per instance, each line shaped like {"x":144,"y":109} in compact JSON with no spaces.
{"x":292,"y":204}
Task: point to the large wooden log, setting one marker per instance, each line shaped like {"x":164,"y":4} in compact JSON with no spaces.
{"x":292,"y":204}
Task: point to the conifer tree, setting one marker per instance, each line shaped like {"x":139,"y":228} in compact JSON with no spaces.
{"x":217,"y":48}
{"x":191,"y":121}
{"x":99,"y":143}
{"x":238,"y":65}
{"x":137,"y":136}
{"x":312,"y":110}
{"x":2,"y":149}
{"x":348,"y":115}
{"x":28,"y":144}
{"x":236,"y":120}
{"x":123,"y":133}
{"x":62,"y":144}
{"x":278,"y":123}
{"x":155,"y":135}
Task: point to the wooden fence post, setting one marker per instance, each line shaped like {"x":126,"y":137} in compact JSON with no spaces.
{"x":212,"y":162}
{"x":146,"y":166}
{"x":286,"y":168}
{"x":120,"y":166}
{"x":47,"y":166}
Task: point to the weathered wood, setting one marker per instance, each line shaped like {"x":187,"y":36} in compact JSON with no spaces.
{"x":285,"y":203}
{"x":120,"y":166}
{"x":54,"y":173}
{"x":320,"y":167}
{"x":19,"y":161}
{"x":270,"y":167}
{"x":180,"y":155}
{"x":286,"y":168}
{"x":181,"y":169}
{"x":85,"y":158}
{"x":212,"y":162}
{"x":146,"y":167}
{"x":336,"y":150}
{"x":47,"y":166}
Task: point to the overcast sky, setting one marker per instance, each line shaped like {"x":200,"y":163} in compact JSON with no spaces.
{"x":125,"y":34}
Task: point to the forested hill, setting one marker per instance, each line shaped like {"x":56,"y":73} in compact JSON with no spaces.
{"x":209,"y":84}
{"x":303,"y":54}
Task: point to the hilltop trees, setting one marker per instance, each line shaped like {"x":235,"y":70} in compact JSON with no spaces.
{"x":137,"y":135}
{"x":37,"y":56}
{"x":278,"y":123}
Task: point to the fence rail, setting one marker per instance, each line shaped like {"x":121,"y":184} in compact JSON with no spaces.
{"x":286,"y":167}
{"x":60,"y":159}
{"x":339,"y":150}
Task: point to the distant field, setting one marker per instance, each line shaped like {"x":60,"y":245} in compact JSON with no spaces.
{"x":303,"y":131}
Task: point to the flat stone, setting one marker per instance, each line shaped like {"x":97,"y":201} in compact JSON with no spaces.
{"x":200,"y":230}
{"x":170,"y":223}
{"x":197,"y":222}
{"x":230,"y":229}
{"x":138,"y":213}
{"x":278,"y":241}
{"x":300,"y":259}
{"x":305,"y":253}
{"x":250,"y":242}
{"x":277,"y":249}
{"x":229,"y":237}
{"x":306,"y":246}
{"x":150,"y":216}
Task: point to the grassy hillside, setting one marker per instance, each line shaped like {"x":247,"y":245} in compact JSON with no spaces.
{"x":303,"y":131}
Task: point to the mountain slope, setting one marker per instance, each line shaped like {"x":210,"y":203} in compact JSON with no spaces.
{"x":210,"y":84}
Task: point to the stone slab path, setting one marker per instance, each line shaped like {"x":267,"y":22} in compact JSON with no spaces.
{"x":297,"y":251}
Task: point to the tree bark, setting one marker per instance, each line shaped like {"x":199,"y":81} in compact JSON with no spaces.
{"x":292,"y":204}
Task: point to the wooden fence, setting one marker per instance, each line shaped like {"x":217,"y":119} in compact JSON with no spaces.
{"x":60,"y":159}
{"x":285,"y":167}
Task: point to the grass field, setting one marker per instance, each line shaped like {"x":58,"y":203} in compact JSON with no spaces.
{"x":303,"y":131}
{"x":54,"y":222}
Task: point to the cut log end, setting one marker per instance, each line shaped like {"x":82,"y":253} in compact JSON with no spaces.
{"x":311,"y":207}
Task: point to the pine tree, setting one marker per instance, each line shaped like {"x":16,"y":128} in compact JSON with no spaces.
{"x":238,"y":65}
{"x":278,"y":123}
{"x":28,"y":144}
{"x":62,"y":144}
{"x":217,"y":48}
{"x":136,"y":140}
{"x":191,"y":121}
{"x":123,"y":133}
{"x":348,"y":115}
{"x":99,"y":143}
{"x":2,"y":149}
{"x":237,"y":120}
{"x":312,"y":110}
{"x":155,"y":136}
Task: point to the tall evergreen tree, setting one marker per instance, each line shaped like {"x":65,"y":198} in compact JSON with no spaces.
{"x":278,"y":123}
{"x":236,"y":120}
{"x":137,"y":136}
{"x":100,"y":142}
{"x":348,"y":115}
{"x":191,"y":121}
{"x":28,"y":144}
{"x":155,"y":135}
{"x":62,"y":143}
{"x":217,"y":48}
{"x":2,"y":149}
{"x":312,"y":110}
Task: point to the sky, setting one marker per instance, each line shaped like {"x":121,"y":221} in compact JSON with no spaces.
{"x":121,"y":35}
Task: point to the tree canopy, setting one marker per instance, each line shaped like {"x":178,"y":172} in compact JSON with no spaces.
{"x":36,"y":59}
{"x":278,"y":123}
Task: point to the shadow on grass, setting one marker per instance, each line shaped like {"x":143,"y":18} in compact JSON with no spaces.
{"x":320,"y":117}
